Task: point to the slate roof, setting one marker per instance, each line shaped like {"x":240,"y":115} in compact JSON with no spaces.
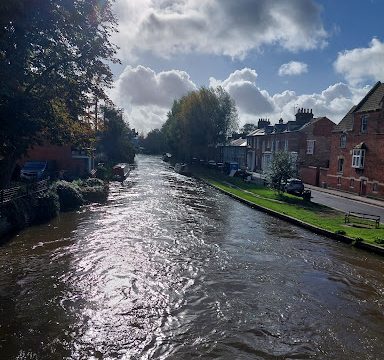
{"x":373,"y":101}
{"x":346,"y":124}
{"x":238,"y":142}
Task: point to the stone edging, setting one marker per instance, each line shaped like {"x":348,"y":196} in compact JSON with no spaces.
{"x":345,"y":239}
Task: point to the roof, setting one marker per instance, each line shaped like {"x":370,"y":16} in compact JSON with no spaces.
{"x":313,"y":121}
{"x":238,"y":142}
{"x":257,"y":132}
{"x":373,"y":101}
{"x":346,"y":124}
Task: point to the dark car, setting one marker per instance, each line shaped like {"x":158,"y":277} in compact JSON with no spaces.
{"x":294,"y":186}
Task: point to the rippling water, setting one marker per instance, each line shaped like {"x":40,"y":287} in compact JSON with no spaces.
{"x":171,"y":269}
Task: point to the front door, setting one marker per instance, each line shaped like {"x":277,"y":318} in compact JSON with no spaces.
{"x":363,"y":187}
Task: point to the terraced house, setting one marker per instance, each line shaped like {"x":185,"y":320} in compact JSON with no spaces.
{"x":357,"y":148}
{"x":306,"y":138}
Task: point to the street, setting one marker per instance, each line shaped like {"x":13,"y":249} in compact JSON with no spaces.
{"x":344,"y":204}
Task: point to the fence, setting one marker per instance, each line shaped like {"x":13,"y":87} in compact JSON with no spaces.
{"x":17,"y":192}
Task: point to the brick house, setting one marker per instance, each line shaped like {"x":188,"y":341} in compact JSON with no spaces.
{"x":68,"y":161}
{"x":306,"y":138}
{"x":235,"y":151}
{"x":357,"y":148}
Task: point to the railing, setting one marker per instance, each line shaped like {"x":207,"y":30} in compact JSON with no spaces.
{"x":17,"y":192}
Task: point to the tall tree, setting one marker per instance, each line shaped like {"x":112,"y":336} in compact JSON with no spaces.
{"x":116,"y":138}
{"x":200,"y":120}
{"x":53,"y":62}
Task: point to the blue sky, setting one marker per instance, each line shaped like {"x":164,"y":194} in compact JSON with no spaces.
{"x":270,"y":55}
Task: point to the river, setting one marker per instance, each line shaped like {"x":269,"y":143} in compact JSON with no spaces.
{"x":170,"y":268}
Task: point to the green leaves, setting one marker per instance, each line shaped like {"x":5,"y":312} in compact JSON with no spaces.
{"x":199,"y":120}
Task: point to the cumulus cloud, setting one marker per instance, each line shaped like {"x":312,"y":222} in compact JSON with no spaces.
{"x":362,"y":64}
{"x":293,"y":68}
{"x":221,"y":27}
{"x":253,"y":102}
{"x":147,"y":96}
{"x":241,"y":85}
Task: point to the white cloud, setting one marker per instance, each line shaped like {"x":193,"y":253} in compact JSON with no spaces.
{"x":293,"y":68}
{"x":241,"y":85}
{"x":221,"y":27}
{"x":147,"y":96}
{"x":362,"y":64}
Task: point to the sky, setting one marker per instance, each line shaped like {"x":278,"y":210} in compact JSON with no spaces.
{"x":271,"y":56}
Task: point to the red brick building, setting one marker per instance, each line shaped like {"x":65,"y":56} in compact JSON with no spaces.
{"x":306,"y":138}
{"x":69,"y":161}
{"x":357,"y":148}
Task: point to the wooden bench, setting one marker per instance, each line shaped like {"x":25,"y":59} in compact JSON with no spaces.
{"x":370,"y":217}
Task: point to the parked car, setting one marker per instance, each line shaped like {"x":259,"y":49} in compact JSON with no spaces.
{"x":37,"y":170}
{"x":294,"y":186}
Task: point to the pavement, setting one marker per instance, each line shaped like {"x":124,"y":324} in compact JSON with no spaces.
{"x":342,"y":194}
{"x":346,"y":195}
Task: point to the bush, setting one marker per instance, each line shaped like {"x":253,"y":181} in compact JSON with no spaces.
{"x":340,"y":232}
{"x":97,"y":194}
{"x":48,"y":206}
{"x":19,"y":212}
{"x":379,"y":241}
{"x":70,"y":197}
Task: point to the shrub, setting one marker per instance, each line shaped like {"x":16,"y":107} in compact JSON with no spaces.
{"x":48,"y":206}
{"x":19,"y":212}
{"x":95,"y":193}
{"x":379,"y":241}
{"x":340,"y":232}
{"x":69,"y":194}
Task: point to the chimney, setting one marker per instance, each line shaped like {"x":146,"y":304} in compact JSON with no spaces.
{"x":303,"y":116}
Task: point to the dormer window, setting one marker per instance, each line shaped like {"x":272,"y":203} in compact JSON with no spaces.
{"x":364,"y":124}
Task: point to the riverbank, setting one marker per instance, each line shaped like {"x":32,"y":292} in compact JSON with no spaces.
{"x":40,"y":207}
{"x":317,"y":218}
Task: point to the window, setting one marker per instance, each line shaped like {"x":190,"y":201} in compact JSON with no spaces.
{"x":277,"y":145}
{"x":343,"y":141}
{"x":364,"y":124}
{"x":310,"y":147}
{"x":358,"y":157}
{"x":375,"y":187}
{"x":352,"y":183}
{"x":338,"y":180}
{"x":340,"y":165}
{"x":263,"y":146}
{"x":286,"y":144}
{"x":257,"y":143}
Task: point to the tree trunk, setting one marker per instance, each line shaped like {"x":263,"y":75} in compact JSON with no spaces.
{"x":7,"y":165}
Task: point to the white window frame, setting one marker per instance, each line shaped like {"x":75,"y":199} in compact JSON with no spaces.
{"x":358,"y":158}
{"x":310,"y":147}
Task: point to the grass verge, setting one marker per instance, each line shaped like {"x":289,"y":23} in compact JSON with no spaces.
{"x":313,"y":214}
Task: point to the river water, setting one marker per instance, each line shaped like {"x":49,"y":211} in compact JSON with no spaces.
{"x":171,"y":269}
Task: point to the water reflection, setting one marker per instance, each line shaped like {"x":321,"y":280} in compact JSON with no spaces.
{"x":171,"y":269}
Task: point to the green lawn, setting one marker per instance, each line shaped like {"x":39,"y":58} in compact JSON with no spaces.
{"x":311,"y":213}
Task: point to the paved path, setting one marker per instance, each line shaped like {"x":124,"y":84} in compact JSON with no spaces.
{"x":347,"y":202}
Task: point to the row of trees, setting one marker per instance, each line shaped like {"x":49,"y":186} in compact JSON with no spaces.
{"x":54,"y":57}
{"x":196,"y":122}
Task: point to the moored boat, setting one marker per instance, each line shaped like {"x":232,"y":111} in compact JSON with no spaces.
{"x":121,"y":171}
{"x":182,"y":169}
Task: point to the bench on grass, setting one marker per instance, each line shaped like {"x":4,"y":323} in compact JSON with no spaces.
{"x":370,"y":217}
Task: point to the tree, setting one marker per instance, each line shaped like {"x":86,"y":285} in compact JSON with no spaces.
{"x":248,"y":128}
{"x":199,"y":120}
{"x":53,"y":63}
{"x":281,"y":169}
{"x":154,"y":142}
{"x":116,"y":139}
